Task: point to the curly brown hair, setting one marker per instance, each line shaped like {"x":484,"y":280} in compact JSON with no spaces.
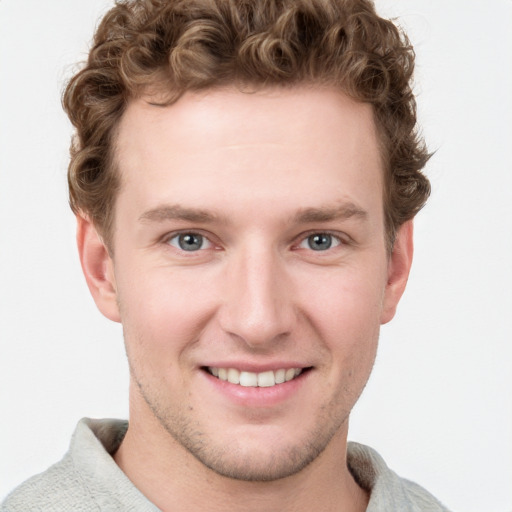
{"x":189,"y":45}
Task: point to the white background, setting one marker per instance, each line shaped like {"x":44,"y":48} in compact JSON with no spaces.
{"x":438,"y":406}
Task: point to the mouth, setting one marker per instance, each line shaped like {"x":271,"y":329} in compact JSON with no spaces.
{"x":264,"y":379}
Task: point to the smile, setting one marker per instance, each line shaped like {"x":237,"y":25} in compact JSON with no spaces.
{"x":251,"y":379}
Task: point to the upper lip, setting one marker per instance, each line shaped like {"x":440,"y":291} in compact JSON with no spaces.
{"x":256,"y":367}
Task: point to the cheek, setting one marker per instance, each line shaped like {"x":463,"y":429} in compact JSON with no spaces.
{"x":163,"y":311}
{"x":346,"y":315}
{"x":348,"y":304}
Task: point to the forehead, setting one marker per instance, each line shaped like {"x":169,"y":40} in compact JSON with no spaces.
{"x":225,"y":148}
{"x":261,"y":115}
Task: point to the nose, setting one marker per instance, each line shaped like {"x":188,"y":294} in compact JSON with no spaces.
{"x":258,"y":301}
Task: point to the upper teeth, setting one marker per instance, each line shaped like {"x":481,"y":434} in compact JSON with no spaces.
{"x":251,"y":379}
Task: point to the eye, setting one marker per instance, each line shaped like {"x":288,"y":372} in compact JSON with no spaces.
{"x":320,"y":242}
{"x":189,"y":242}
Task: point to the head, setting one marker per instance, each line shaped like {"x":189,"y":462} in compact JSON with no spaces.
{"x":166,"y":48}
{"x":244,"y":173}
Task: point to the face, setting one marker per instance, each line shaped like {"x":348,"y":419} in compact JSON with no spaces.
{"x":250,"y":272}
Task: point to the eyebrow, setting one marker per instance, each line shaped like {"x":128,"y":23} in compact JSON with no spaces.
{"x":303,"y":216}
{"x":177,"y":212}
{"x":345,"y":211}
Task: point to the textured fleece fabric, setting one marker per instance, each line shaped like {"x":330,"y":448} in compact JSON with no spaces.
{"x":87,"y":479}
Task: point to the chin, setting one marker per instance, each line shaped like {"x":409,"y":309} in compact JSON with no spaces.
{"x":255,"y":453}
{"x":256,"y":464}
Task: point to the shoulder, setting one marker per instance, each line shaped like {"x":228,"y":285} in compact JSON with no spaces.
{"x":388,"y":491}
{"x":59,"y":488}
{"x":86,"y":480}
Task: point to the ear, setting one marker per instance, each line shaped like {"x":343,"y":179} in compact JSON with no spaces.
{"x":399,"y":266}
{"x":98,"y":268}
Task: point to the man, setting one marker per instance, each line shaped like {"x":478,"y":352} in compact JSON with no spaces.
{"x":244,"y":176}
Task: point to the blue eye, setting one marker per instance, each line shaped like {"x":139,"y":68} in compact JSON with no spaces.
{"x":320,"y":242}
{"x":190,"y":242}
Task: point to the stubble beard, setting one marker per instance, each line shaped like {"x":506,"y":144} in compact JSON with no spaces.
{"x":235,"y":462}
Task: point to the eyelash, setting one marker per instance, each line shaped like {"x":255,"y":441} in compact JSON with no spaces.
{"x":175,"y":236}
{"x":337,"y":239}
{"x":340,"y":240}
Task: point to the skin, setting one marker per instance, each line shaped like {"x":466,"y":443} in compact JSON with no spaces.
{"x":255,"y":175}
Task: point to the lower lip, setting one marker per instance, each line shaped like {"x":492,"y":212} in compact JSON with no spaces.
{"x":258,"y":396}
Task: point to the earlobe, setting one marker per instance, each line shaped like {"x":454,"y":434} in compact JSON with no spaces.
{"x":399,"y":266}
{"x":98,"y":268}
